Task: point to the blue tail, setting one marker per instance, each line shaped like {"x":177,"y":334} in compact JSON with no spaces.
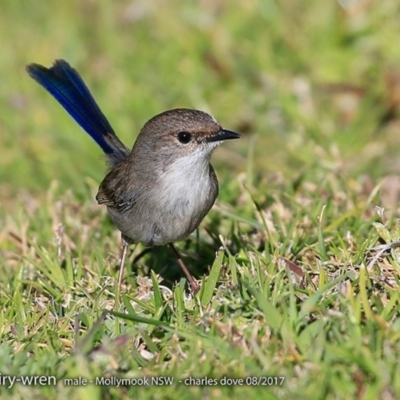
{"x":68,"y":88}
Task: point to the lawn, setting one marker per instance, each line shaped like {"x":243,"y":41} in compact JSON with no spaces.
{"x":299,"y":258}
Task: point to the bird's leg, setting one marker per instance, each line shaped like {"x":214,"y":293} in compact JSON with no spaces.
{"x":193,"y":284}
{"x":124,"y":252}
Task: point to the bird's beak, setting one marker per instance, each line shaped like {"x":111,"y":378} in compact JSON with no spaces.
{"x":221,"y":135}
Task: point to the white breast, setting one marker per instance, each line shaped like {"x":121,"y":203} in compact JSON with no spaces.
{"x":186,"y":184}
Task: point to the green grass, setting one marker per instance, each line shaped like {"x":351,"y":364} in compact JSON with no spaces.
{"x":295,"y":288}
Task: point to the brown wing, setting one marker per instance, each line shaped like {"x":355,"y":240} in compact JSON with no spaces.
{"x":117,"y":191}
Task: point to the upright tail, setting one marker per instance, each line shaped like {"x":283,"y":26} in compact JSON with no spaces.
{"x":65,"y":84}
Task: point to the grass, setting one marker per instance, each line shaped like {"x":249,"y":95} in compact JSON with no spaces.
{"x":298,"y":260}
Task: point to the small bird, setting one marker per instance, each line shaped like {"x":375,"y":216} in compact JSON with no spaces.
{"x":160,"y":191}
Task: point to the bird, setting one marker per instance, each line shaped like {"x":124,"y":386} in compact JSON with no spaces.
{"x":159,"y":192}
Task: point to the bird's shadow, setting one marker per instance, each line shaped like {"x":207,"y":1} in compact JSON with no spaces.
{"x":198,"y":257}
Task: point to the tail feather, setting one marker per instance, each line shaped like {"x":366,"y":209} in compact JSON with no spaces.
{"x":65,"y":84}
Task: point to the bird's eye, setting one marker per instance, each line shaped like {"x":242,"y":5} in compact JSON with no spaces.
{"x":184,"y":137}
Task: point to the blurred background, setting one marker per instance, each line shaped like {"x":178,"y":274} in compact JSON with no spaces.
{"x":312,"y":86}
